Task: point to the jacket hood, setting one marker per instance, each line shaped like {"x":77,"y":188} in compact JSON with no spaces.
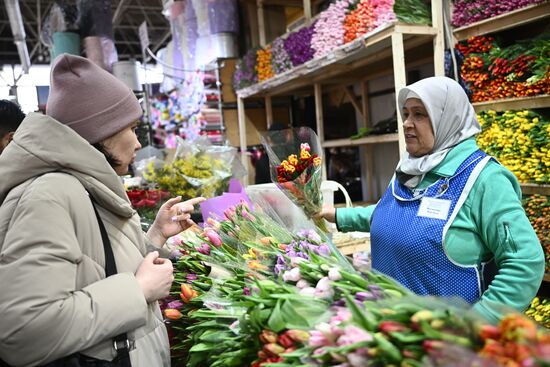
{"x":41,"y":145}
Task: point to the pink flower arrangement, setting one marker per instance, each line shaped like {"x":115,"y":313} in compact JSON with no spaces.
{"x":383,"y":12}
{"x":328,"y":32}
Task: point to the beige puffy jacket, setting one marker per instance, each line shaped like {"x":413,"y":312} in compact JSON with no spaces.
{"x":54,"y":298}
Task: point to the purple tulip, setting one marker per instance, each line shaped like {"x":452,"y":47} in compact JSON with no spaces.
{"x":364,"y":296}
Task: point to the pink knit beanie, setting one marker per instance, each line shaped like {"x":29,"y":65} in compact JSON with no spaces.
{"x":89,"y":100}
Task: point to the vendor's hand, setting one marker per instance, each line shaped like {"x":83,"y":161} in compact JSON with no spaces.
{"x":155,"y":277}
{"x":328,"y":213}
{"x":172,"y":218}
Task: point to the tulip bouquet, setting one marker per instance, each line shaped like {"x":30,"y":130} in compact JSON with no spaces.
{"x":414,"y":332}
{"x":295,"y":160}
{"x":225,"y":311}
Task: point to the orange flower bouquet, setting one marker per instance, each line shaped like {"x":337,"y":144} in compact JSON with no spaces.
{"x":295,"y":157}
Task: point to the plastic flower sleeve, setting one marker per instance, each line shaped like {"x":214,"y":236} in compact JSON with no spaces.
{"x":295,"y":157}
{"x":198,"y":169}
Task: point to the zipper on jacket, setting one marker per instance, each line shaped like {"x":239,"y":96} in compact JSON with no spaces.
{"x":508,"y":239}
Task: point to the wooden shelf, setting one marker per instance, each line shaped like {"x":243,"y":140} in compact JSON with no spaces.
{"x":542,"y":101}
{"x":504,"y":21}
{"x":372,"y":47}
{"x":373,"y":139}
{"x":532,"y":189}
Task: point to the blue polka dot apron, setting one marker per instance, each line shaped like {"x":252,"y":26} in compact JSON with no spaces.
{"x":408,"y":230}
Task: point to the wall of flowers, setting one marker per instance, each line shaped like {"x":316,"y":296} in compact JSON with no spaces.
{"x":520,"y":140}
{"x":467,"y":11}
{"x":342,"y":22}
{"x":494,"y":71}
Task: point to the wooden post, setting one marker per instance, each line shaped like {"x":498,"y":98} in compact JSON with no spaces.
{"x":307,"y":10}
{"x":368,"y":150}
{"x":365,"y":103}
{"x":319,"y":118}
{"x":261,"y":22}
{"x":439,"y":39}
{"x":242,"y":137}
{"x":348,"y":91}
{"x":268,"y":111}
{"x":399,"y":80}
{"x":252,"y":15}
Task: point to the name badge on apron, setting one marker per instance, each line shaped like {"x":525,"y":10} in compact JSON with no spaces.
{"x":434,"y":208}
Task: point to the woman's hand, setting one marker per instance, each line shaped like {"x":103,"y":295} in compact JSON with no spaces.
{"x":172,"y":218}
{"x":155,"y":277}
{"x":328,"y":213}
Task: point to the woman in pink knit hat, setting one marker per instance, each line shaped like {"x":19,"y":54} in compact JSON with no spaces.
{"x":80,"y":280}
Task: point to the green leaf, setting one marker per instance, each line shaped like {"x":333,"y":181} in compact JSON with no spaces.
{"x":276,"y":321}
{"x":201,"y":347}
{"x":358,"y":315}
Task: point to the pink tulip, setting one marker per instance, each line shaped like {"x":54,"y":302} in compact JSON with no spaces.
{"x":352,"y":335}
{"x":214,"y":238}
{"x":318,"y":339}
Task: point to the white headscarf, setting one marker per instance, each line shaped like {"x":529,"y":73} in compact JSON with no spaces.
{"x":453,"y":120}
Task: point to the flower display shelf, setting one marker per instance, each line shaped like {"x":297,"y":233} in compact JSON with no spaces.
{"x":373,"y":139}
{"x":504,"y":21}
{"x":542,"y":101}
{"x":373,"y":46}
{"x":533,"y":189}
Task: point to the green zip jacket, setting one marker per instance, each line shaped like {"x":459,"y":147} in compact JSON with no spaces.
{"x":491,"y":223}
